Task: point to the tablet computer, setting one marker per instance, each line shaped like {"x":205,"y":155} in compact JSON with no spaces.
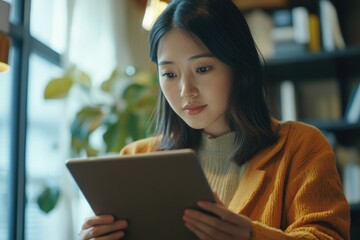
{"x":150,"y":190}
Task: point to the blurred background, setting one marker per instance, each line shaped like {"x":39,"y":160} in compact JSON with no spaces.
{"x":80,"y":84}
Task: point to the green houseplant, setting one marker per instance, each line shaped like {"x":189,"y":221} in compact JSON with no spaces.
{"x":120,"y":109}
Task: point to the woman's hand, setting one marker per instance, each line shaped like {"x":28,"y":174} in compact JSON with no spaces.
{"x":229,"y":226}
{"x":103,"y":228}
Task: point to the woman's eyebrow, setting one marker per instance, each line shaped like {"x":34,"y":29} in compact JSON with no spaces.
{"x":202,"y":55}
{"x":165,"y":63}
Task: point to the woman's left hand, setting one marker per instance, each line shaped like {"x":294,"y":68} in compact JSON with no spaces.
{"x":229,"y":226}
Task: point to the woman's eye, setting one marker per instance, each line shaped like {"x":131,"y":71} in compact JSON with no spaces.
{"x":203,"y":69}
{"x":168,"y":75}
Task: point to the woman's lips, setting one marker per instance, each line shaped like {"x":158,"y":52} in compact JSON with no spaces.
{"x":194,"y":109}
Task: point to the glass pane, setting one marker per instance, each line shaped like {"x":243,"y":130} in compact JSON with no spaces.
{"x":44,"y":161}
{"x":15,"y":11}
{"x":5,"y":127}
{"x":48,"y":22}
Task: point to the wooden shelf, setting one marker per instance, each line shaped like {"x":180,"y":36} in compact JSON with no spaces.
{"x":304,"y":68}
{"x":355,"y":221}
{"x":322,"y":66}
{"x":252,"y":4}
{"x":355,"y":207}
{"x":338,"y":126}
{"x":315,"y":65}
{"x":345,"y":132}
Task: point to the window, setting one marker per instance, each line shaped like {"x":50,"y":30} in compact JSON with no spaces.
{"x":5,"y":125}
{"x":32,"y":146}
{"x":43,"y":157}
{"x":29,"y":134}
{"x":6,"y":86}
{"x":48,"y":22}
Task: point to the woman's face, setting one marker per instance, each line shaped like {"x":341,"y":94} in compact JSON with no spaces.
{"x":195,"y":83}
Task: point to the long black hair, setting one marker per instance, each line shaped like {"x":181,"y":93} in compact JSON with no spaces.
{"x":222,"y":28}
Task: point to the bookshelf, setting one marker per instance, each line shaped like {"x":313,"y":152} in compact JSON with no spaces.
{"x":344,"y":132}
{"x":341,"y":66}
{"x":315,"y":65}
{"x":355,"y":221}
{"x":301,"y":67}
{"x":251,"y":4}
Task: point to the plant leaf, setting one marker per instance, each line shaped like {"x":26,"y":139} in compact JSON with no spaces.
{"x":133,"y":126}
{"x":58,"y":88}
{"x":90,"y":151}
{"x":132,"y":92}
{"x":48,"y":198}
{"x":108,"y":84}
{"x":82,"y":78}
{"x":116,"y":134}
{"x":142,"y":77}
{"x":86,"y":121}
{"x":77,"y":145}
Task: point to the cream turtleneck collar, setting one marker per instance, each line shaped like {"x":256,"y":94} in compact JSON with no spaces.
{"x":222,"y":173}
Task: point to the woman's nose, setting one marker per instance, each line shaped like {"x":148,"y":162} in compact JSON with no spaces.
{"x":188,"y":89}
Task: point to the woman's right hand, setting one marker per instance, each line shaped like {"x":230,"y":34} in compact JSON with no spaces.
{"x":102,"y":227}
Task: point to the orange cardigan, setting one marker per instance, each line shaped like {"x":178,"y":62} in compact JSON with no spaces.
{"x":290,"y":190}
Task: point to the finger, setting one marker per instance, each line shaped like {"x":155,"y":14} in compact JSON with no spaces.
{"x":226,"y":215}
{"x":201,"y":235}
{"x":211,"y":224}
{"x":205,"y":231}
{"x":217,"y":199}
{"x":112,"y":236}
{"x":97,"y":220}
{"x":102,"y":230}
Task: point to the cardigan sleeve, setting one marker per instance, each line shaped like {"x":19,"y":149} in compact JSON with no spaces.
{"x":315,"y":206}
{"x":141,"y":146}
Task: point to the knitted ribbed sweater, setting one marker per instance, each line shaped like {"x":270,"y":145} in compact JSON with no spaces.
{"x":290,"y":190}
{"x":222,"y":173}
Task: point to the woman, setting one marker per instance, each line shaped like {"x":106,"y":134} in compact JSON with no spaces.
{"x":273,"y":180}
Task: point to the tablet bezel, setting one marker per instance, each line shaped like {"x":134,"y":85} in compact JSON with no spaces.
{"x":153,"y":190}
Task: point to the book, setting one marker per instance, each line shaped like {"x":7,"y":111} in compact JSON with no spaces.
{"x":352,"y":113}
{"x":291,"y":31}
{"x":351,"y":182}
{"x":331,"y":35}
{"x":283,"y":26}
{"x":314,"y":33}
{"x":288,"y":48}
{"x":300,"y":19}
{"x":349,"y":163}
{"x":260,"y":25}
{"x":288,"y":101}
{"x":320,"y":100}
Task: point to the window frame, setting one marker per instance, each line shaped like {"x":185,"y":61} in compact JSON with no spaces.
{"x":23,"y":45}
